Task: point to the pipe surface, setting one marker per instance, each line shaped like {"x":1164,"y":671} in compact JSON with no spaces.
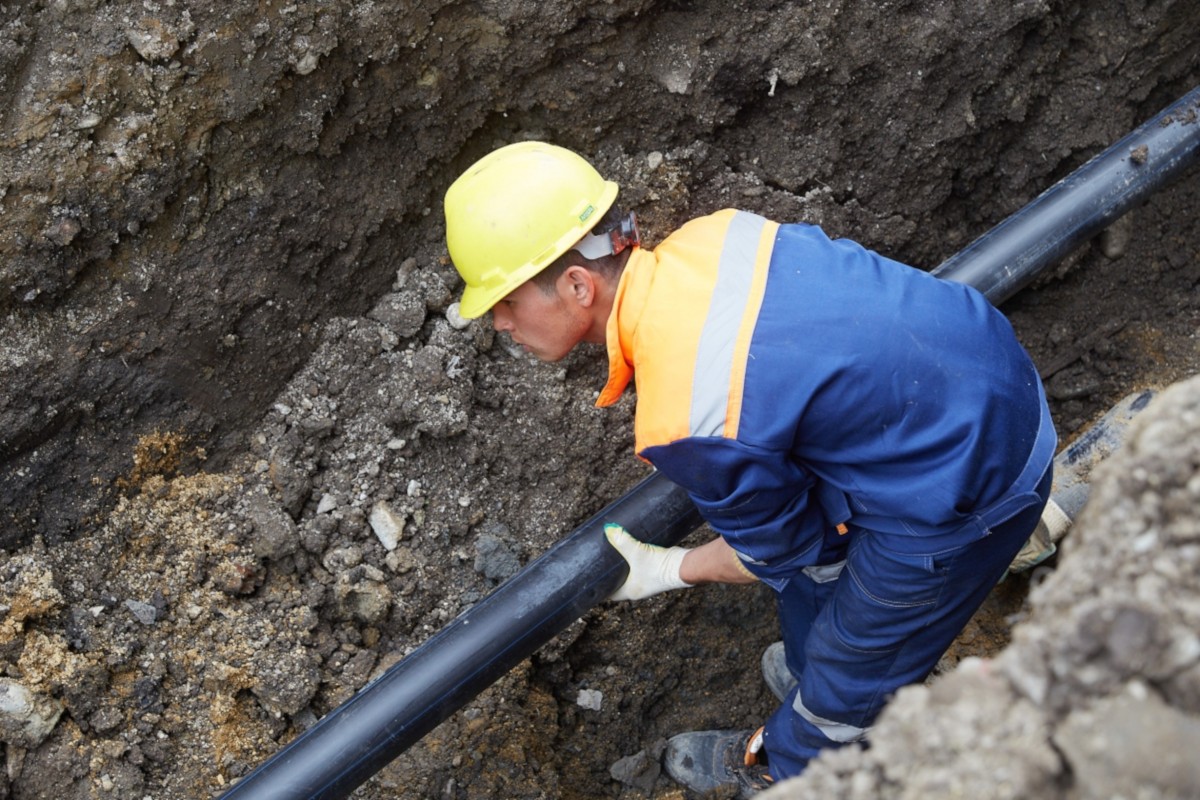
{"x":357,"y":739}
{"x":361,"y":736}
{"x":1075,"y":209}
{"x":1073,"y":466}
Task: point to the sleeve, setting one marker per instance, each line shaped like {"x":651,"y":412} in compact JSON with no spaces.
{"x":761,"y":501}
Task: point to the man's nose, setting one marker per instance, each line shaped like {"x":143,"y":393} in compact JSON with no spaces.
{"x":501,"y":321}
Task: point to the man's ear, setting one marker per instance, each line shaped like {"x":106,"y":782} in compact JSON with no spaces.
{"x":579,"y":283}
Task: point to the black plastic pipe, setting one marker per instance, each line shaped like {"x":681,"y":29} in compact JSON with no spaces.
{"x":357,"y":739}
{"x":360,"y":737}
{"x":1075,"y":209}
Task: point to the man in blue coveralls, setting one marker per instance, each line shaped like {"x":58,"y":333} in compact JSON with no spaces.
{"x":869,"y":441}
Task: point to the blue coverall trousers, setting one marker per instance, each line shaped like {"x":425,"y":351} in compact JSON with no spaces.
{"x":856,"y":636}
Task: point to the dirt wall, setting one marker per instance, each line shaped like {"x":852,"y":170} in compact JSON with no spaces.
{"x":191,"y":191}
{"x":226,"y":344}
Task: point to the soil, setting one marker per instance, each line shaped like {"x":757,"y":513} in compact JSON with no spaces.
{"x":227,"y":351}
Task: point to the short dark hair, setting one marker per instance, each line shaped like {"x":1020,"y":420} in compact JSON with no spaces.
{"x":609,"y":266}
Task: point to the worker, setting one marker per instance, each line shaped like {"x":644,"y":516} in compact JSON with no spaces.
{"x":869,"y":441}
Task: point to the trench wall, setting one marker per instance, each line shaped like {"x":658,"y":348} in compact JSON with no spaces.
{"x":190,"y":191}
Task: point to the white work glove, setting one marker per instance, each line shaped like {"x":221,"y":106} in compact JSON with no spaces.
{"x":652,"y":569}
{"x":1053,"y":525}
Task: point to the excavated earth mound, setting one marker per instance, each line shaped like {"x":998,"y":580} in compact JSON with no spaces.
{"x":249,"y":459}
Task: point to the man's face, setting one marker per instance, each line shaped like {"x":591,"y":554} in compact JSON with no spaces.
{"x":547,"y":325}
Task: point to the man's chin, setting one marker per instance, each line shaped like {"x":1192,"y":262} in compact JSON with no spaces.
{"x":547,"y":356}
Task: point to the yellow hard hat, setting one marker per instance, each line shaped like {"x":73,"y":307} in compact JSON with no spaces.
{"x":516,"y":210}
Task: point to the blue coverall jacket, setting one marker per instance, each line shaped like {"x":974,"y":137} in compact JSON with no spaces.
{"x":807,"y":392}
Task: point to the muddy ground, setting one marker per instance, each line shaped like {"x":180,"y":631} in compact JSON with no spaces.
{"x":226,"y":346}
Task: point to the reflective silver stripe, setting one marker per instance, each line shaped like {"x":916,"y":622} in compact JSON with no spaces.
{"x":594,"y":245}
{"x":742,"y":556}
{"x":834,"y":731}
{"x":825,"y":573}
{"x":714,"y":356}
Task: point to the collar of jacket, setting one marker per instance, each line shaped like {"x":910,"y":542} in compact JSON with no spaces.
{"x":628,"y":303}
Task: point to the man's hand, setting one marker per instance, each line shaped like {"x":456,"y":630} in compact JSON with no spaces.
{"x":652,"y":569}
